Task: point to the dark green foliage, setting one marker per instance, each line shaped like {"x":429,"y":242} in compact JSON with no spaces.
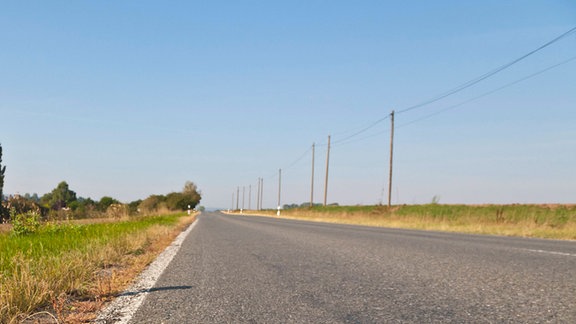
{"x":32,"y":197}
{"x":60,"y":197}
{"x":187,"y":199}
{"x":4,"y":214}
{"x":180,"y":201}
{"x":2,"y":171}
{"x":192,"y":194}
{"x":83,"y":208}
{"x":133,"y":207}
{"x":174,"y":201}
{"x":152,"y":203}
{"x":3,"y":211}
{"x":105,"y":202}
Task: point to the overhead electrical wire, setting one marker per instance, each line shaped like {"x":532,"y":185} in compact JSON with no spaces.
{"x":489,"y":92}
{"x":486,"y":75}
{"x":461,"y":87}
{"x":298,"y":159}
{"x":468,"y":84}
{"x":361,"y":131}
{"x":485,"y":94}
{"x":274,"y":175}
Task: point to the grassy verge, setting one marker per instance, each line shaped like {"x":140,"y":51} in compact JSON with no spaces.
{"x":66,"y":272}
{"x":543,"y":221}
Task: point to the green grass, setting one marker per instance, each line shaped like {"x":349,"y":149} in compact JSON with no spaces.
{"x":53,"y":240}
{"x":544,"y":221}
{"x":37,"y":269}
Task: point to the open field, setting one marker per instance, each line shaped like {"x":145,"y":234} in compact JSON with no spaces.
{"x":67,"y":272}
{"x":543,"y":221}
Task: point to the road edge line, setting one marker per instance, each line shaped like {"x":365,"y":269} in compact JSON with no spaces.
{"x":123,"y":308}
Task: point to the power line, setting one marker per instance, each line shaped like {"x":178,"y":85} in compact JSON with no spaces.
{"x":342,"y":142}
{"x":361,"y":131}
{"x":468,"y":84}
{"x":461,"y":87}
{"x":362,"y":138}
{"x":486,"y":75}
{"x":298,"y":159}
{"x":490,"y":92}
{"x":274,"y":175}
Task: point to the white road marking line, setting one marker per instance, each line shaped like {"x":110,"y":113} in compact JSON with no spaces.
{"x":123,"y":308}
{"x":552,"y":252}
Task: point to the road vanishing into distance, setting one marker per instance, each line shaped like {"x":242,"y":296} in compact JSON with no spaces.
{"x":247,"y":269}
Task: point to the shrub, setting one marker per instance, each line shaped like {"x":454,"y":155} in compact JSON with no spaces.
{"x":22,"y":205}
{"x":26,"y":223}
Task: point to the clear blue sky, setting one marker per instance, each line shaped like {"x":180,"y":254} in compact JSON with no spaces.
{"x":132,"y":98}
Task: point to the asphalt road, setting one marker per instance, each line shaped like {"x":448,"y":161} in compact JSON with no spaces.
{"x":236,"y":269}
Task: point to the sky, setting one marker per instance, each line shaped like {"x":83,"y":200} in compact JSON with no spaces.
{"x":133,"y":98}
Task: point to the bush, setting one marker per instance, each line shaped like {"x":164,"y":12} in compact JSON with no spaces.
{"x":133,"y":207}
{"x":153,"y":204}
{"x":26,"y":223}
{"x":21,"y":205}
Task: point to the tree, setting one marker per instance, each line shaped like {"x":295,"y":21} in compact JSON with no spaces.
{"x":152,"y":204}
{"x":192,"y":195}
{"x":190,"y":187}
{"x":2,"y":171}
{"x":105,"y":202}
{"x":176,"y":201}
{"x":133,"y":207}
{"x":3,"y":211}
{"x":60,"y":197}
{"x":32,"y":197}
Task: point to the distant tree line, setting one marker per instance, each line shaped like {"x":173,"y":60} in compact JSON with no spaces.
{"x":188,"y":198}
{"x":64,"y":203}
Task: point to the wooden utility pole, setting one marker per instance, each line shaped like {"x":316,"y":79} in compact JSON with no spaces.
{"x":391,"y":159}
{"x":279,"y":188}
{"x":258,"y":196}
{"x":312,"y":181}
{"x":261,"y":192}
{"x":243,"y":196}
{"x":327,"y":165}
{"x":237,"y":197}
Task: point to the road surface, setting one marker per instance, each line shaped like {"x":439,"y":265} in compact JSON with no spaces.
{"x":245,"y":269}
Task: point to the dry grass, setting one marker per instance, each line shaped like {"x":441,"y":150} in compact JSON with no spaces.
{"x":542,"y":221}
{"x":5,"y":228}
{"x":72,"y":285}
